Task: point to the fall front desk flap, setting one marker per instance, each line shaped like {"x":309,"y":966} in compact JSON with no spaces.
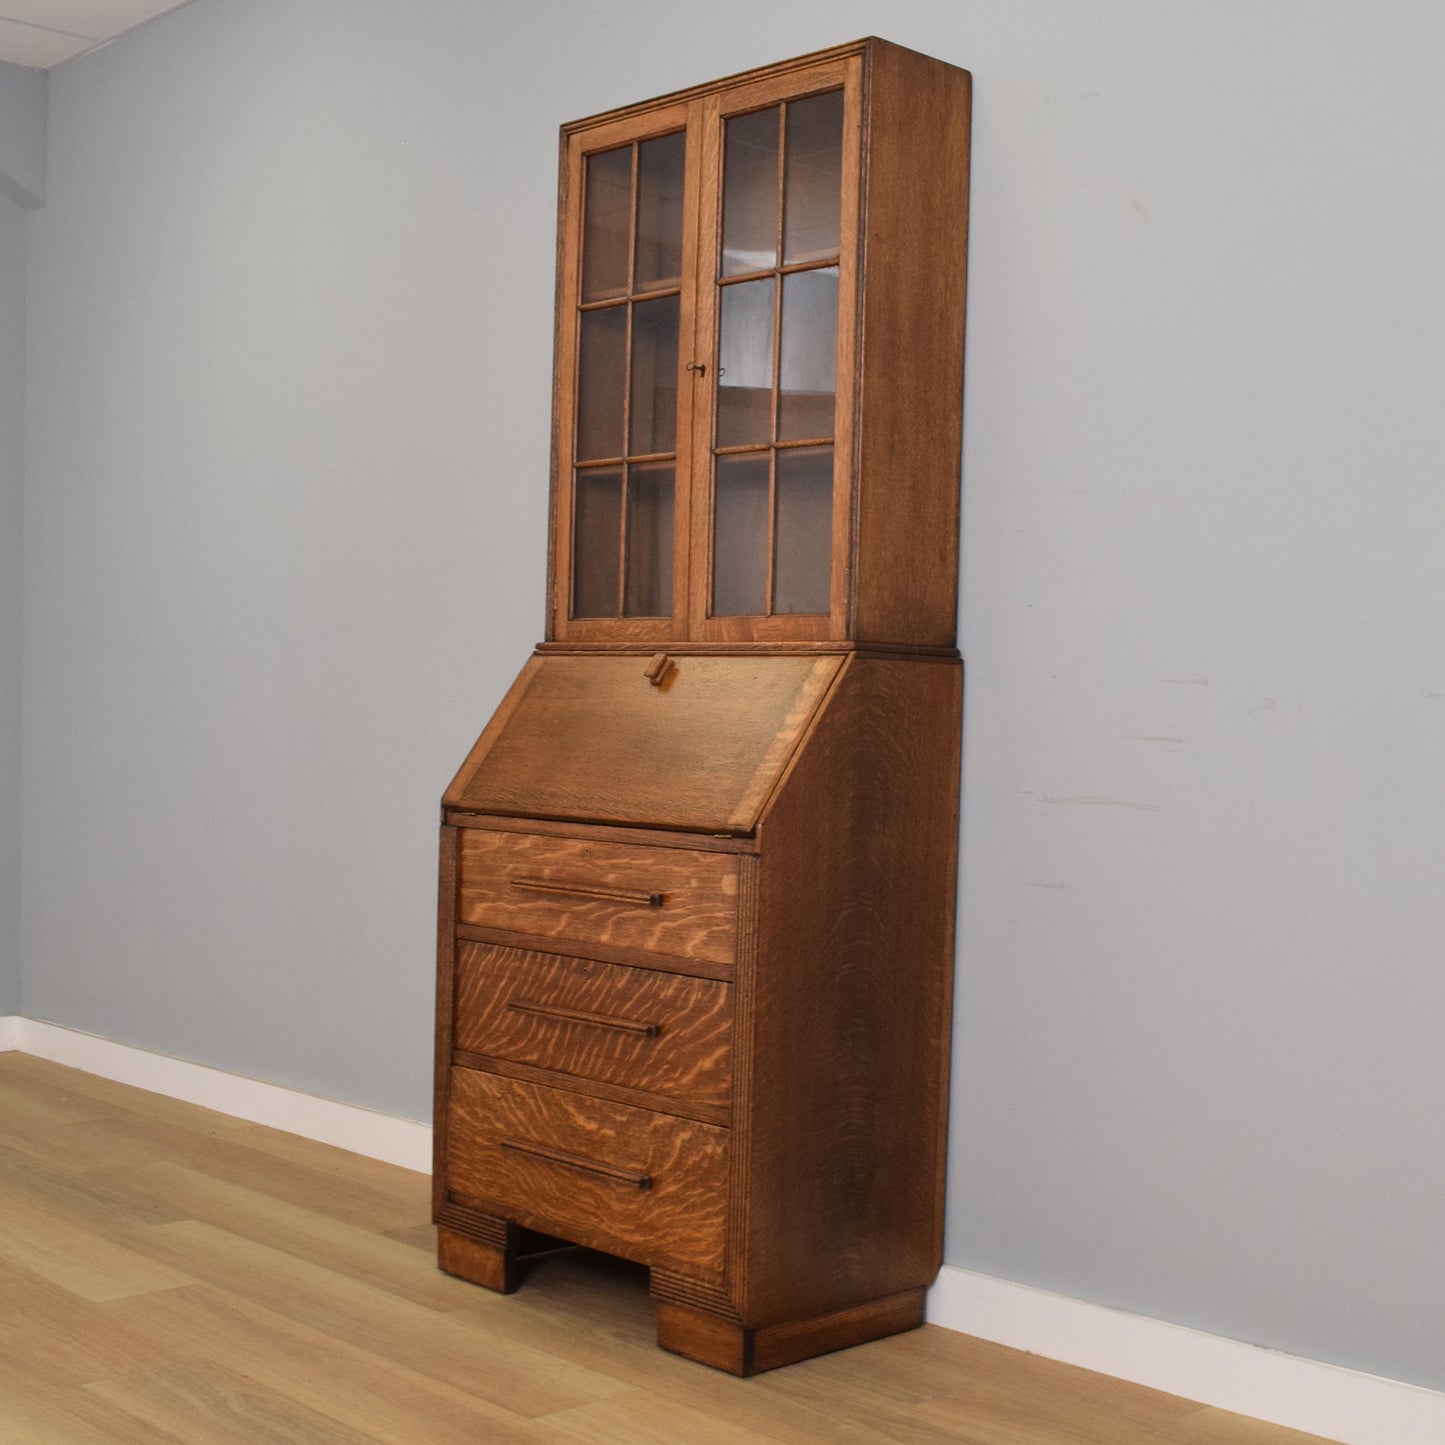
{"x":688,"y":742}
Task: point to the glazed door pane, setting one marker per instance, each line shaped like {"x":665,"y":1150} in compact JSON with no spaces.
{"x":601,"y":385}
{"x":659,"y":212}
{"x":597,"y":530}
{"x":649,"y":541}
{"x":804,"y":526}
{"x":653,"y":392}
{"x":813,"y":181}
{"x":745,"y":364}
{"x":750,"y":193}
{"x":740,"y":536}
{"x":807,"y":382}
{"x":607,"y":224}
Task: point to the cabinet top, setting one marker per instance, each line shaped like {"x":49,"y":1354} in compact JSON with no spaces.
{"x":869,"y":45}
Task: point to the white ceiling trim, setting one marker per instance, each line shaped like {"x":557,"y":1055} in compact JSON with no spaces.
{"x":42,"y":34}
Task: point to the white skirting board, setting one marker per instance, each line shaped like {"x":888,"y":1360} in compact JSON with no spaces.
{"x":1321,"y":1399}
{"x":1339,"y":1404}
{"x":363,"y":1131}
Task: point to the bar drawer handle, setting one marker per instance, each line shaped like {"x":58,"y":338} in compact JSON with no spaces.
{"x":574,"y":1161}
{"x":640,"y":896}
{"x":580,"y":1016}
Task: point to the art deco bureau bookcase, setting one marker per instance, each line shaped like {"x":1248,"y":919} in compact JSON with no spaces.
{"x":697,"y":882}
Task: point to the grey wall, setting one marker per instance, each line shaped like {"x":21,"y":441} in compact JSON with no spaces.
{"x":22,"y":185}
{"x":12,"y":454}
{"x":22,"y":134}
{"x":289,"y":348}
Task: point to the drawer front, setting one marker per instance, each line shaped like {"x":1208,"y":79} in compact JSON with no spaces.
{"x":674,"y":901}
{"x":630,"y":1026}
{"x":649,"y":1187}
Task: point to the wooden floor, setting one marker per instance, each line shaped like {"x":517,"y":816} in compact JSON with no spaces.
{"x":169,"y":1274}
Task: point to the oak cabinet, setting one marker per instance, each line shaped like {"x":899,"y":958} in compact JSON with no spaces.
{"x":698,"y":872}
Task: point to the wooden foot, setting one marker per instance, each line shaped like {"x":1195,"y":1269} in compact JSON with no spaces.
{"x":489,"y":1251}
{"x":488,"y":1261}
{"x":727,"y":1345}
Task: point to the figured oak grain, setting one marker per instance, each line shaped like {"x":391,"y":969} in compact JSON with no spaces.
{"x":499,"y":992}
{"x":678,"y":1220}
{"x":849,"y":999}
{"x":910,"y":368}
{"x":590,"y":739}
{"x":697,"y":915}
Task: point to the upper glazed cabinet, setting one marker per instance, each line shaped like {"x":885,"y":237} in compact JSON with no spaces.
{"x":759,"y":360}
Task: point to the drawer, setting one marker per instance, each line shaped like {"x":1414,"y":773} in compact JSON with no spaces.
{"x":630,"y":1026}
{"x":649,"y":1187}
{"x":676,"y":901}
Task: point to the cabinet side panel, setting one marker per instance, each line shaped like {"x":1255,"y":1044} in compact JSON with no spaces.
{"x":564,"y":249}
{"x":446,"y":982}
{"x":915,"y":259}
{"x":852,"y":997}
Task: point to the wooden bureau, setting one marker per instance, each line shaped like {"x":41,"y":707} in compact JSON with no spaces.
{"x":698,"y":872}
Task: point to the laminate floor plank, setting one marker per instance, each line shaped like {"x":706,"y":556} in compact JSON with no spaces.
{"x":1020,"y":1399}
{"x":1220,"y":1427}
{"x":31,"y":1133}
{"x":418,"y":1236}
{"x":42,"y":1241}
{"x":643,"y":1418}
{"x":170,"y":1275}
{"x":147,"y":1126}
{"x":69,"y":1341}
{"x":1014,"y":1398}
{"x":310,"y":1234}
{"x":612,"y":1295}
{"x":469,"y":1349}
{"x":132,"y":1141}
{"x":206,"y":1401}
{"x":403,"y":1188}
{"x":34,"y":1412}
{"x":355,"y":1387}
{"x":84,"y":1197}
{"x":89,"y":1095}
{"x":31,"y":1094}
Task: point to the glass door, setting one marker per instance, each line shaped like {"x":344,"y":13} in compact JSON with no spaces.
{"x":707,"y":308}
{"x":622,"y":434}
{"x":779,"y":273}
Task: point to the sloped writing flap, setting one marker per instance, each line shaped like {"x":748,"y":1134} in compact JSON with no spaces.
{"x":697,"y":745}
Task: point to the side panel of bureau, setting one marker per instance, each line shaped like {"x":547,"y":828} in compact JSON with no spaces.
{"x":848,"y":999}
{"x":446,"y":981}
